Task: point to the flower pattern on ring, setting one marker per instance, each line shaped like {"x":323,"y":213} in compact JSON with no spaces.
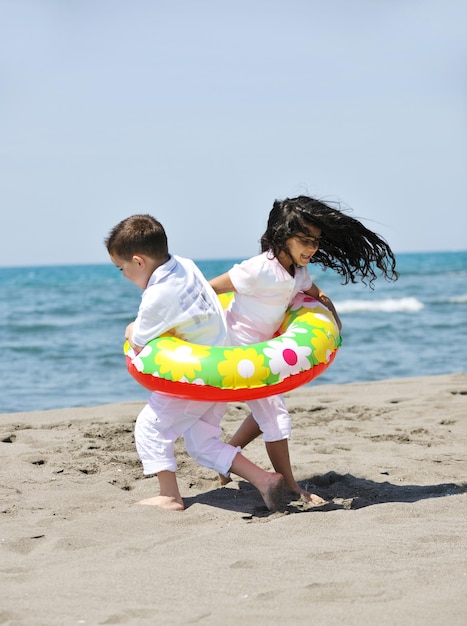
{"x":180,"y":360}
{"x":287,"y":357}
{"x":196,"y":381}
{"x":293,"y":331}
{"x":304,"y":302}
{"x":324,"y":345}
{"x":138,"y":359}
{"x":244,"y":364}
{"x":308,"y":336}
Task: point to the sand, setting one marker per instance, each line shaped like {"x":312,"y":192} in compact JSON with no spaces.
{"x":389,"y":548}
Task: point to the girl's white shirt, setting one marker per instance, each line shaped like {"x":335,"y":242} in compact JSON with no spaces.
{"x":264,"y":289}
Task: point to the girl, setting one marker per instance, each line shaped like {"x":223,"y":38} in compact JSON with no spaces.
{"x":300,"y":230}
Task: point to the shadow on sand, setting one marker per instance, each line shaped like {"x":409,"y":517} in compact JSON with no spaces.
{"x":341,"y":492}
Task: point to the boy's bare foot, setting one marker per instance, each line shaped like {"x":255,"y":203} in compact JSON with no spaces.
{"x":224,"y":480}
{"x":272,"y":492}
{"x":164,"y":502}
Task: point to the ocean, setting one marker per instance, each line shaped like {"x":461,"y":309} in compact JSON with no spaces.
{"x":63,"y":329}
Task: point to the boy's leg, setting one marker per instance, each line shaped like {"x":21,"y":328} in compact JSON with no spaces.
{"x":203,"y":439}
{"x":269,"y":484}
{"x":169,"y":496}
{"x":161,"y":422}
{"x":155,"y":439}
{"x":246,"y":433}
{"x":205,"y":446}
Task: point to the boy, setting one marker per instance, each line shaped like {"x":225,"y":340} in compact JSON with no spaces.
{"x":177,"y":298}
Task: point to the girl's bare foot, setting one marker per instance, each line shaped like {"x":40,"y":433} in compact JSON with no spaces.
{"x":311,"y":498}
{"x":164,"y":502}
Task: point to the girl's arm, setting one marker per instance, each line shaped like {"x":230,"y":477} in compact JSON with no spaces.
{"x":315,"y":292}
{"x":222,"y":283}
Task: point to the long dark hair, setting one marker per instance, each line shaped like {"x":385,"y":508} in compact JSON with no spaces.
{"x":346,"y":245}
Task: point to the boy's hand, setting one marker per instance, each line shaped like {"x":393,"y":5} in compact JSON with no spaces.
{"x":129,"y":338}
{"x":129,"y":332}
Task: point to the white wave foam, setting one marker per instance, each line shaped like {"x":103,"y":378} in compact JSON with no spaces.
{"x":458,"y":299}
{"x":388,"y":305}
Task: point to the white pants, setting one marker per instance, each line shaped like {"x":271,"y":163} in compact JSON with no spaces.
{"x":165,"y":418}
{"x":272,"y":417}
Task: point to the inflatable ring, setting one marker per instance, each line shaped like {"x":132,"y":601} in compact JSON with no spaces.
{"x":303,"y":348}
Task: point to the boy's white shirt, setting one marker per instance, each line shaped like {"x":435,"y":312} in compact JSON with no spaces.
{"x":178,"y":299}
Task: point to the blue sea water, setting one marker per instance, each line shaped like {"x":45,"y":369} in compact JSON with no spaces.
{"x":62,"y":329}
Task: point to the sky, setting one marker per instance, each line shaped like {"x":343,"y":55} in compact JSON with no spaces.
{"x":202,"y":113}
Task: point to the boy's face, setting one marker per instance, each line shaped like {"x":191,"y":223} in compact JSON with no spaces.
{"x":136,"y":269}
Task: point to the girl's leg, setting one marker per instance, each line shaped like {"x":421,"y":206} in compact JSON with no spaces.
{"x":278,"y":452}
{"x":246,"y":433}
{"x":274,"y":421}
{"x":205,"y":446}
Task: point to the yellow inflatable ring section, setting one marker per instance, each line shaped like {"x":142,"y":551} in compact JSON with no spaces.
{"x":304,"y":346}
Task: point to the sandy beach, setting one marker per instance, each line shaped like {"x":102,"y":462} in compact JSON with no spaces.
{"x":388,"y":548}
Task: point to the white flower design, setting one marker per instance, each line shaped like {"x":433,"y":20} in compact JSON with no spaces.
{"x":286,"y":357}
{"x":138,"y":359}
{"x":196,"y":381}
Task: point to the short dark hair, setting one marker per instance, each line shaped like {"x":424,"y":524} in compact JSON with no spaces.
{"x":138,"y":234}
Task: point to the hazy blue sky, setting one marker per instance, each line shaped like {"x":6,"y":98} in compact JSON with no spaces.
{"x":202,"y":112}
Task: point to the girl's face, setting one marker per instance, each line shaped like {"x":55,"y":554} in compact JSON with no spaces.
{"x":301,"y":248}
